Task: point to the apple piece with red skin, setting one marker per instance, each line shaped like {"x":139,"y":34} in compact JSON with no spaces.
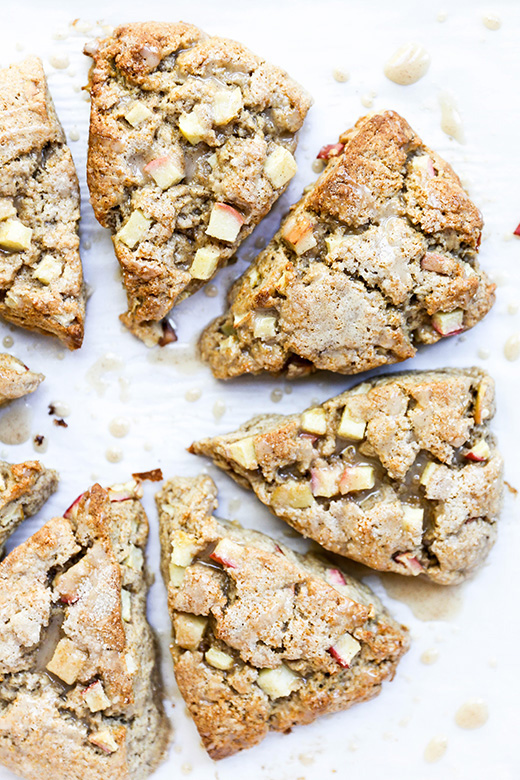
{"x":479,"y":452}
{"x":69,"y":512}
{"x":335,"y":577}
{"x":223,"y":553}
{"x":410,"y":562}
{"x":344,"y":650}
{"x":440,"y":264}
{"x":224,"y":222}
{"x":330,"y":150}
{"x":516,"y":232}
{"x":298,"y":232}
{"x":325,"y":480}
{"x":448,"y":323}
{"x":356,"y":478}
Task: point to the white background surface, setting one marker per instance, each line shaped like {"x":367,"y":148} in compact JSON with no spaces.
{"x":477,"y":646}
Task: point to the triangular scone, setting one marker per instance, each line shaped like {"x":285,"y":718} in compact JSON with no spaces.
{"x":24,"y":489}
{"x":400,"y":473}
{"x":41,"y":279}
{"x":264,"y":638}
{"x":378,"y":257}
{"x":78,"y":682}
{"x":16,"y":379}
{"x":191,"y":142}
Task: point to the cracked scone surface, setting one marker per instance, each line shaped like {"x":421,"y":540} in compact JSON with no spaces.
{"x":24,"y":488}
{"x":264,"y":638}
{"x":378,"y":257}
{"x":400,"y":473}
{"x":191,"y":142}
{"x":16,"y":379}
{"x":77,"y":657}
{"x":41,"y":279}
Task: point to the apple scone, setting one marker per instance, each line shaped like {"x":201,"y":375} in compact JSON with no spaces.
{"x":264,"y":638}
{"x":24,"y":489}
{"x":400,"y":473}
{"x":378,"y":257}
{"x":79,"y":695}
{"x":41,"y":278}
{"x":192,"y":140}
{"x":16,"y":379}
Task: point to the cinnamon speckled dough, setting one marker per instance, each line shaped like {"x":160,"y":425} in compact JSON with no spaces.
{"x":24,"y":488}
{"x":16,"y":379}
{"x":242,"y":604}
{"x":434,"y":501}
{"x":367,"y":266}
{"x":215,"y":112}
{"x":41,"y":285}
{"x":78,"y":696}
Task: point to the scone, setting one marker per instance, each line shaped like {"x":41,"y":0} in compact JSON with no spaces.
{"x":16,"y":379}
{"x":24,"y":489}
{"x":41,"y":279}
{"x":400,"y":473}
{"x":78,"y":682}
{"x":264,"y":638}
{"x":378,"y":257}
{"x":191,"y":142}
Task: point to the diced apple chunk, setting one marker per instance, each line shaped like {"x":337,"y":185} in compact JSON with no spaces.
{"x":479,"y":452}
{"x":350,"y":428}
{"x":280,"y":166}
{"x":126,"y":606}
{"x":227,"y":103}
{"x":124,"y":491}
{"x":330,"y":150}
{"x":447,"y":323}
{"x":165,"y":171}
{"x":325,"y":480}
{"x":176,"y":574}
{"x":135,"y":558}
{"x":278,"y":682}
{"x":183,"y":549}
{"x":224,"y":222}
{"x":335,"y":578}
{"x":314,"y":421}
{"x":357,"y":478}
{"x":205,"y":262}
{"x":67,"y":661}
{"x":130,"y":663}
{"x":410,"y":561}
{"x":137,"y":114}
{"x":482,"y":410}
{"x":14,"y":235}
{"x":189,"y":630}
{"x":135,"y":229}
{"x":243,"y":453}
{"x":103,"y":739}
{"x":412,"y":518}
{"x":264,"y":326}
{"x":48,"y":270}
{"x":218,"y":659}
{"x":296,"y":495}
{"x":95,"y":697}
{"x":345,"y":649}
{"x":428,"y":473}
{"x":192,"y":128}
{"x":424,"y":163}
{"x":298,"y":232}
{"x":227,"y":553}
{"x":7,"y":208}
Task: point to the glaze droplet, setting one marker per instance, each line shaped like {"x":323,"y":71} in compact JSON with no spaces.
{"x":408,"y":64}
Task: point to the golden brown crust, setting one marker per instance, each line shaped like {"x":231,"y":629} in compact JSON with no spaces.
{"x":370,"y":263}
{"x":263,"y":607}
{"x":16,"y":379}
{"x":42,"y":284}
{"x":173,"y":71}
{"x":441,"y":522}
